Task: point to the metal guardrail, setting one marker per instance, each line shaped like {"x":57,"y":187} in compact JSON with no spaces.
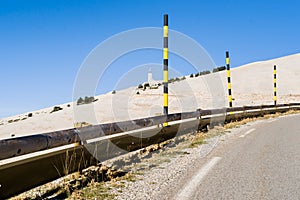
{"x":40,"y":158}
{"x":38,"y":142}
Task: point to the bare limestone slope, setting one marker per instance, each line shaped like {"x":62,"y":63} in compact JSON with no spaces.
{"x":252,"y":84}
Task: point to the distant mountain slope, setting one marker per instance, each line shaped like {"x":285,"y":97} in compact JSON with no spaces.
{"x":252,"y":84}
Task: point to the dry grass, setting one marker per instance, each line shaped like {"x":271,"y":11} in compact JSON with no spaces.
{"x":101,"y":190}
{"x":198,"y":140}
{"x":81,"y":124}
{"x":237,"y":124}
{"x":95,"y":191}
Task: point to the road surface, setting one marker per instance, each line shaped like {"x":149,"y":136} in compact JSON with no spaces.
{"x":261,"y":162}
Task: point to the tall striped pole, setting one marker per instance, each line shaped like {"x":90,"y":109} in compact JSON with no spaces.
{"x":275,"y":87}
{"x":166,"y":76}
{"x":228,"y":79}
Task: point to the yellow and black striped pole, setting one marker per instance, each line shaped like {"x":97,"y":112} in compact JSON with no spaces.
{"x":275,"y":87}
{"x":228,"y":79}
{"x":166,"y":76}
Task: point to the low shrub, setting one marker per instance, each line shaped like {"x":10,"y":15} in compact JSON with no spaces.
{"x":204,"y":72}
{"x":86,"y":100}
{"x":80,"y":101}
{"x":56,"y":108}
{"x":140,"y":86}
{"x":171,"y":80}
{"x":222,"y":68}
{"x":146,"y":85}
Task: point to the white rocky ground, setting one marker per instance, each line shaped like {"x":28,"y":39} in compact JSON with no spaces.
{"x":252,"y":84}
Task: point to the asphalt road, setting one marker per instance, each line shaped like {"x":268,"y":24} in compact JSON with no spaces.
{"x":261,"y":162}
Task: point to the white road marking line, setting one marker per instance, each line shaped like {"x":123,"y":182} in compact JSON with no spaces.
{"x":249,"y":131}
{"x":190,"y":188}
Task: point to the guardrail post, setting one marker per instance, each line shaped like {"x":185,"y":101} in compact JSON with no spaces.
{"x":199,"y":114}
{"x":228,"y":80}
{"x":275,"y":87}
{"x":166,"y":76}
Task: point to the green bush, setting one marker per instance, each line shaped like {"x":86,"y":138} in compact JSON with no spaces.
{"x":146,"y":85}
{"x":219,"y":69}
{"x":56,"y":108}
{"x":192,"y":75}
{"x":86,"y":100}
{"x":80,"y":101}
{"x":171,"y":80}
{"x":140,"y":86}
{"x":222,"y":68}
{"x":204,"y":72}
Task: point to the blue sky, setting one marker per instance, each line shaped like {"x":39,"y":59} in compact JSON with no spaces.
{"x":44,"y":42}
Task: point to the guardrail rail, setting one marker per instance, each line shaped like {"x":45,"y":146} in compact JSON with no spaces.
{"x":30,"y":161}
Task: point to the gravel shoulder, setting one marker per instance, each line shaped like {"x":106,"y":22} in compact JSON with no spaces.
{"x":170,"y":167}
{"x":165,"y":180}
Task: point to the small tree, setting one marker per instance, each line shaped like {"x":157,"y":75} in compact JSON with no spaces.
{"x":146,"y":85}
{"x":219,"y":69}
{"x":88,"y":100}
{"x":215,"y":70}
{"x":171,"y":80}
{"x":56,"y":108}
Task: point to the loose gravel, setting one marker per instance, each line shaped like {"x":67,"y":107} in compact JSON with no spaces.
{"x":168,"y":166}
{"x":155,"y":171}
